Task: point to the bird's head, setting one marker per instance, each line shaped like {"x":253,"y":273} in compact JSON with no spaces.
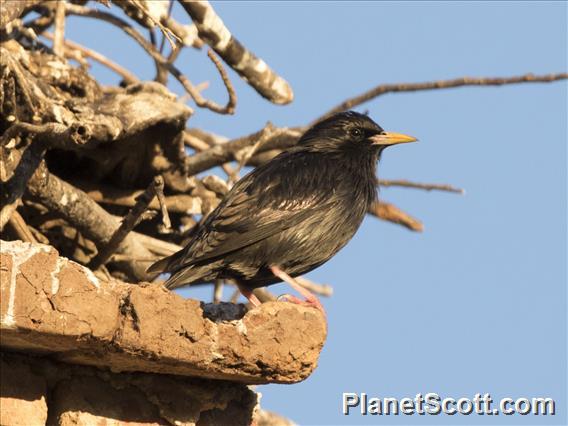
{"x":350,"y":132}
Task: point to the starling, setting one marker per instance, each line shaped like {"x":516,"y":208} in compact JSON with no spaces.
{"x":290,"y":215}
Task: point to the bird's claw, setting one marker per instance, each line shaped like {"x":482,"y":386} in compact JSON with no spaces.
{"x":310,"y":302}
{"x":288,"y":298}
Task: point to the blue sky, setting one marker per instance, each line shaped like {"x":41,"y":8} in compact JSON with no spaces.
{"x":476,"y":303}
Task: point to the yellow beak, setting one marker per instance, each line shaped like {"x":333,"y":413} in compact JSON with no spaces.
{"x":391,"y":138}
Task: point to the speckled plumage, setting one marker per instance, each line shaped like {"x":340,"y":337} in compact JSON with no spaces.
{"x":295,"y":212}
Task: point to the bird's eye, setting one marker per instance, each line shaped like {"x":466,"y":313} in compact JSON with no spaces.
{"x":357,"y":133}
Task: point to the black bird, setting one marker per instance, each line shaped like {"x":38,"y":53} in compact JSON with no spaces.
{"x":290,"y":215}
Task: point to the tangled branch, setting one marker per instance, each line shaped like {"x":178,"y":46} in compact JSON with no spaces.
{"x":251,"y":68}
{"x":78,"y":160}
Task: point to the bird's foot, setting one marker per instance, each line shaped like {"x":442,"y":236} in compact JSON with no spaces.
{"x":311,"y":302}
{"x":289,"y":298}
{"x":310,"y":299}
{"x":250,"y":296}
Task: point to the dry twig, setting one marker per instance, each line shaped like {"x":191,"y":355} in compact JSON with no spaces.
{"x":59,"y":34}
{"x":86,"y":216}
{"x":416,"y":185}
{"x":217,"y":291}
{"x":261,"y":293}
{"x":54,"y":135}
{"x":219,"y":154}
{"x":20,"y":228}
{"x":186,"y":33}
{"x":15,"y":180}
{"x":321,"y":289}
{"x":180,"y":203}
{"x":167,"y":33}
{"x":226,"y":81}
{"x":246,"y":153}
{"x":126,"y":75}
{"x":133,"y":217}
{"x":440,"y":84}
{"x":391,"y":213}
{"x":159,"y":191}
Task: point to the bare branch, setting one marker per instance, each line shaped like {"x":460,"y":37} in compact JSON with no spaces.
{"x":218,"y":291}
{"x":194,"y":142}
{"x":18,"y":166}
{"x":126,"y":75}
{"x":417,"y":185}
{"x":211,"y":139}
{"x":159,"y":191}
{"x":186,"y":33}
{"x":391,"y":213}
{"x":133,"y":217}
{"x":264,"y":295}
{"x":226,"y":81}
{"x":20,"y":228}
{"x":87,"y":216}
{"x":440,"y":84}
{"x":7,"y":211}
{"x":59,"y":34}
{"x":162,"y":72}
{"x":235,"y":296}
{"x":252,"y":69}
{"x":142,"y":6}
{"x":199,"y":100}
{"x":219,"y":154}
{"x":321,"y":289}
{"x":158,"y":247}
{"x":54,"y":135}
{"x":245,"y":154}
{"x":183,"y":204}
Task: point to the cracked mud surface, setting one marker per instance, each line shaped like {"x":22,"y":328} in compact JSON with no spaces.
{"x":53,"y":305}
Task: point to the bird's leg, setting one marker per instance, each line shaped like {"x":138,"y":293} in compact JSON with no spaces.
{"x":311,"y":300}
{"x":249,"y":295}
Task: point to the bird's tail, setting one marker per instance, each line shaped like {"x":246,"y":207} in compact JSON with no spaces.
{"x":186,"y":276}
{"x":168,"y":264}
{"x":159,"y":266}
{"x":182,"y":274}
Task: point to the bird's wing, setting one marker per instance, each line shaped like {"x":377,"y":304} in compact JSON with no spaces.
{"x":230,"y":230}
{"x":254,"y":210}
